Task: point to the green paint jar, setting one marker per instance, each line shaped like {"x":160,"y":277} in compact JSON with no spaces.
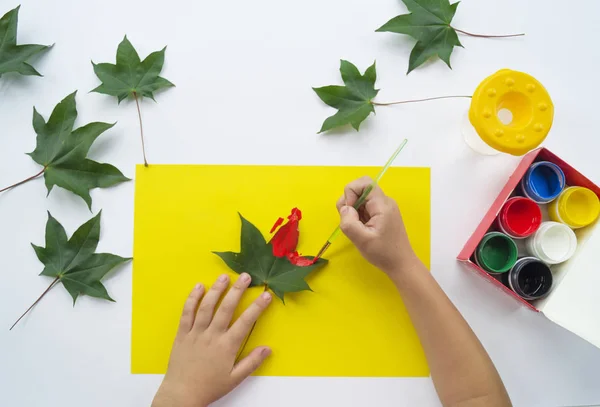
{"x":496,"y":253}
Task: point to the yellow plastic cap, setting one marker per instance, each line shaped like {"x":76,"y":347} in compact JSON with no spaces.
{"x":528,"y":101}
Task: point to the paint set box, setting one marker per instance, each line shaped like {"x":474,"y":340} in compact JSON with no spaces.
{"x":570,"y":296}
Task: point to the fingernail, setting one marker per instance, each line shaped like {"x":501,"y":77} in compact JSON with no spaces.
{"x":266,"y":296}
{"x":344,"y":210}
{"x":245,"y":277}
{"x":198,"y":286}
{"x":265,"y":351}
{"x":223,"y":278}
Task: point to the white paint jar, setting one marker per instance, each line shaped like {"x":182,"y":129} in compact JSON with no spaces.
{"x":553,"y":243}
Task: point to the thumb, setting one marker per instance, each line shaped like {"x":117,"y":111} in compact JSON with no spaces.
{"x":250,"y":363}
{"x":350,"y":224}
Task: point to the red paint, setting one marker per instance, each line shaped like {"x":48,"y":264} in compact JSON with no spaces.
{"x":520,"y":217}
{"x":298,"y":260}
{"x":278,"y":223}
{"x":285,"y":240}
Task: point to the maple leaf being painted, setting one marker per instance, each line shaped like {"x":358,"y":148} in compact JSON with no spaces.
{"x":276,"y":265}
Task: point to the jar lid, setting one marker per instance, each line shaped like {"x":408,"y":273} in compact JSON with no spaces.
{"x":528,"y":102}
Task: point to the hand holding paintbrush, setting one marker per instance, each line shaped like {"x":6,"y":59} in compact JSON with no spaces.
{"x":362,"y":199}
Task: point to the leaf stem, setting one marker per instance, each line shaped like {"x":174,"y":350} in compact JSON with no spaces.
{"x":36,"y":301}
{"x":237,"y":358}
{"x":137,"y":103}
{"x":418,"y":100}
{"x":24,"y":181}
{"x":487,"y":36}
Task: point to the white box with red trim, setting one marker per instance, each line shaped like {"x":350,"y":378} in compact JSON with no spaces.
{"x":574,"y":301}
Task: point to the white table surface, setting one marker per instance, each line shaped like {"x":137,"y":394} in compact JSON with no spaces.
{"x":244,"y":72}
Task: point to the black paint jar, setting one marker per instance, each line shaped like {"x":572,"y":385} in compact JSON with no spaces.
{"x":529,"y":278}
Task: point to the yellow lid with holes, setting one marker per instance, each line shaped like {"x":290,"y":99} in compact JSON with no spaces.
{"x":528,"y":102}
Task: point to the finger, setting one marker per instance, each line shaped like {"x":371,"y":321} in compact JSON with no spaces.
{"x":223,"y":316}
{"x":354,"y":190}
{"x":375,"y":205}
{"x":189,"y":309}
{"x":207,"y":306}
{"x":363,"y":215}
{"x":380,"y":211}
{"x":352,"y":226}
{"x":242,"y":326}
{"x":343,"y":201}
{"x":250,"y":363}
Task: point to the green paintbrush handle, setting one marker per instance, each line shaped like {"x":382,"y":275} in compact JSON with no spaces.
{"x":363,"y":197}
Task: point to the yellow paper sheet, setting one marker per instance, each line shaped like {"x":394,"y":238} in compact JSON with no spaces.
{"x":353,"y":324}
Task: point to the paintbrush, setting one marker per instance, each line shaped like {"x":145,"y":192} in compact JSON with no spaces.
{"x":363,"y":197}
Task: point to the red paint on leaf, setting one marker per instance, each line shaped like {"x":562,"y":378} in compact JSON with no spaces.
{"x":285,"y":240}
{"x":278,"y":223}
{"x":298,"y":260}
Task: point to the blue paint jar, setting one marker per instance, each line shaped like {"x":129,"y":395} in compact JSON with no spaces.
{"x":543,"y":182}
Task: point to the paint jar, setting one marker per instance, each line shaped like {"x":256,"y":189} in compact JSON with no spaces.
{"x":543,"y":182}
{"x":496,"y":253}
{"x":511,"y":112}
{"x":473,"y":140}
{"x":576,"y":207}
{"x":530,"y":278}
{"x":553,"y":243}
{"x":520,"y":217}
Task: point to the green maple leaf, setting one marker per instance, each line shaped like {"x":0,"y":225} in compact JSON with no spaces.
{"x":62,"y":152}
{"x":353,"y":100}
{"x":256,"y":258}
{"x":428,"y":23}
{"x":73,"y":262}
{"x":131,"y":76}
{"x":13,"y":56}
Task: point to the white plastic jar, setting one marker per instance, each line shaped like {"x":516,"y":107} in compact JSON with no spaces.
{"x":553,"y":243}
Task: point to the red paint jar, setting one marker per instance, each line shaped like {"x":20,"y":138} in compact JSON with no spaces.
{"x":520,"y":217}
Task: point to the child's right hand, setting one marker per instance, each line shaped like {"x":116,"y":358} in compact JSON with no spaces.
{"x":377,"y":229}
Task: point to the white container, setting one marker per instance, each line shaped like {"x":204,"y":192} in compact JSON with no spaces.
{"x":473,"y":140}
{"x":553,"y":243}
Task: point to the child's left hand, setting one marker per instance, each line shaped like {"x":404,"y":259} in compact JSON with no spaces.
{"x":202,"y":366}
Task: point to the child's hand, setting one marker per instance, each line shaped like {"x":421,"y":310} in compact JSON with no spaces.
{"x":202,"y":366}
{"x":377,"y":229}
